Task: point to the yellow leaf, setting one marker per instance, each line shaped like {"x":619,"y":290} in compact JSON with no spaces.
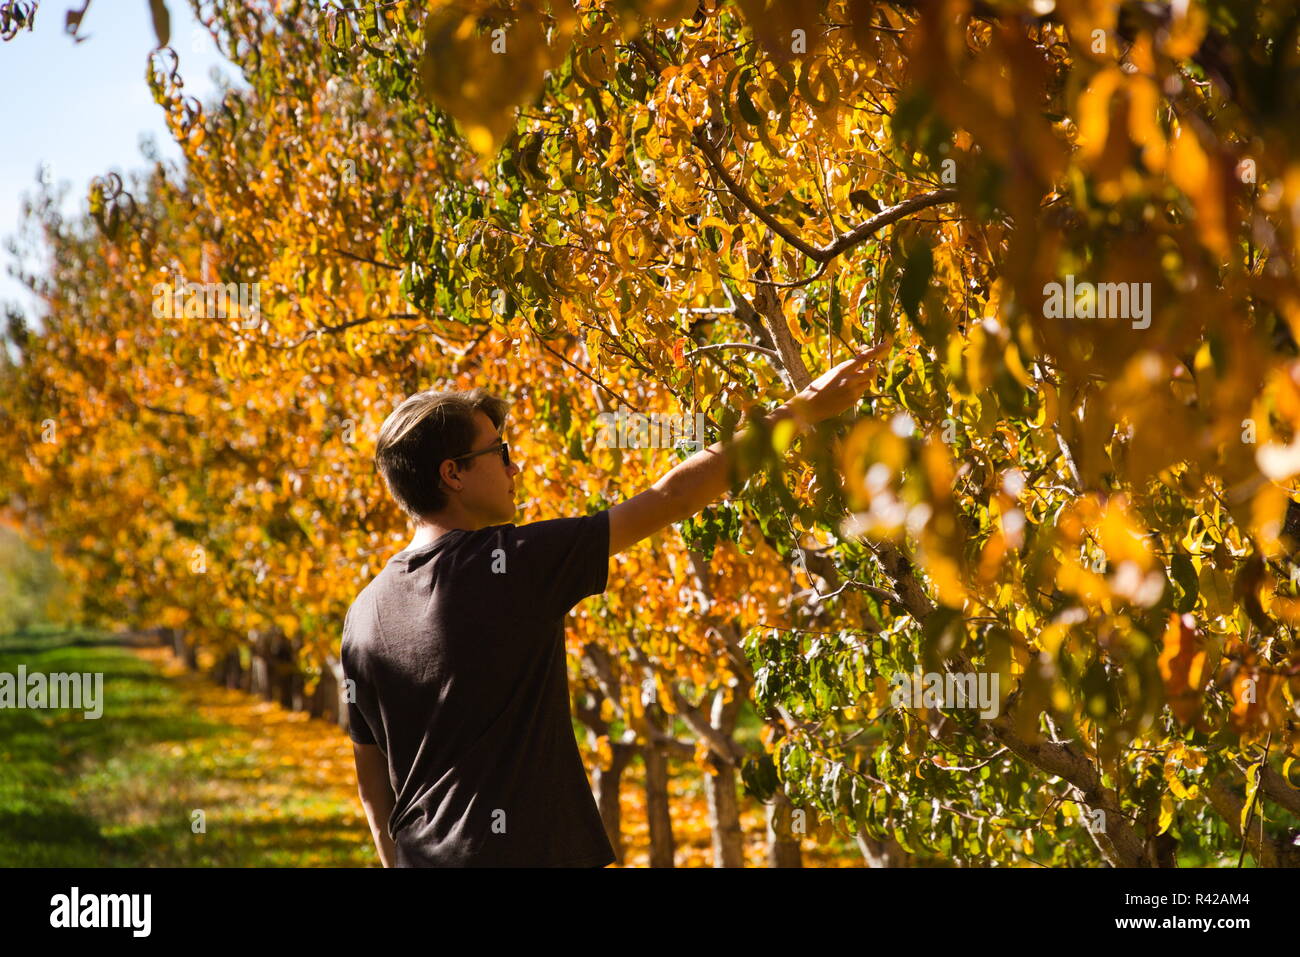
{"x":946,"y":576}
{"x":1252,"y":785}
{"x":1122,"y":537}
{"x":796,"y":330}
{"x":481,"y":72}
{"x":1267,"y":517}
{"x":1190,"y":169}
{"x":1145,"y":103}
{"x":1286,"y":773}
{"x":783,"y":434}
{"x":1011,"y":357}
{"x":1171,"y":774}
{"x":1049,"y":407}
{"x":1166,"y":812}
{"x":1186,"y":30}
{"x":1094,"y":113}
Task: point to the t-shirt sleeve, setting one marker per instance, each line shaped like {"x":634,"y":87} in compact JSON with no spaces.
{"x":557,"y":563}
{"x":358,"y":729}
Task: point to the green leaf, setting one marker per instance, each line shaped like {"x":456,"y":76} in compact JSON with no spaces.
{"x":916,"y":278}
{"x":1185,"y":577}
{"x":901,"y":838}
{"x":942,"y":635}
{"x":743,"y":102}
{"x":759,"y":776}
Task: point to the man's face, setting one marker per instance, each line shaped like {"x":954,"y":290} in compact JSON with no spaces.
{"x":487,"y":489}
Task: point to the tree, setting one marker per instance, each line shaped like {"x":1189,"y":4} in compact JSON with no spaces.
{"x":1076,"y":228}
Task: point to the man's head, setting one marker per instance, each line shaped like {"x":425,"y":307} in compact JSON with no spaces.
{"x":426,"y":455}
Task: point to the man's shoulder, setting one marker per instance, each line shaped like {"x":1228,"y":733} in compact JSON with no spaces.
{"x":511,"y":534}
{"x":563,"y":526}
{"x":491,"y":536}
{"x":358,"y":623}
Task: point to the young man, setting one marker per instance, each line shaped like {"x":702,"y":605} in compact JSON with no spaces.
{"x":461,"y":729}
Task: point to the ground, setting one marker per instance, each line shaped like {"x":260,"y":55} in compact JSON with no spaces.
{"x":276,"y":788}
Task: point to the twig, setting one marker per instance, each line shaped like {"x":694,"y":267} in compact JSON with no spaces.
{"x":586,"y":375}
{"x":365,"y":259}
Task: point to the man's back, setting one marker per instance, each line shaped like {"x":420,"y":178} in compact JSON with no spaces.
{"x":457,"y":651}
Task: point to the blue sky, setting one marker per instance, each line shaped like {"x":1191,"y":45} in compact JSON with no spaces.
{"x":82,"y":107}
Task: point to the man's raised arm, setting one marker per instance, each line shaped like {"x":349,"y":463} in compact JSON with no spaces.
{"x":706,"y":475}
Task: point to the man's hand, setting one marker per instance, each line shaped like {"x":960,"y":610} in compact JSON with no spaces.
{"x":705,"y":476}
{"x":835,"y":391}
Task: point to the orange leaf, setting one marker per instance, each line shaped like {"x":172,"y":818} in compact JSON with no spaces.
{"x":1182,"y":666}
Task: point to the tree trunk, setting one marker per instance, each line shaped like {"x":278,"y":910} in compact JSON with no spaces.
{"x":183,"y":649}
{"x":724,"y":818}
{"x":229,"y":671}
{"x":782,"y":841}
{"x":297,"y":695}
{"x":325,"y":702}
{"x":285,"y":669}
{"x":886,"y":853}
{"x":260,"y":683}
{"x":663,"y":846}
{"x":297,"y":680}
{"x":605,"y":785}
{"x":720,"y":789}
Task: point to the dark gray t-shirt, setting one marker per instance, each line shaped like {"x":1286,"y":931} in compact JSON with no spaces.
{"x":457,"y":651}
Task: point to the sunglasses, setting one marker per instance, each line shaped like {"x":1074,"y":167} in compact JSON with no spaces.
{"x":501,"y":447}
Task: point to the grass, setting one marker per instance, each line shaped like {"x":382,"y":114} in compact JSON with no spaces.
{"x":273,"y":788}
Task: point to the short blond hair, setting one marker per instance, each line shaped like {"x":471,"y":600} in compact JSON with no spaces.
{"x":423,"y":432}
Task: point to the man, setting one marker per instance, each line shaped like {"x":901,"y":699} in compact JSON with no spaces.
{"x":461,"y":729}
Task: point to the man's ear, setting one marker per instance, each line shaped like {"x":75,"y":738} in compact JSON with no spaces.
{"x":450,"y":474}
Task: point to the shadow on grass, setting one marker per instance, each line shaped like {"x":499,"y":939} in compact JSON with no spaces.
{"x":279,"y":842}
{"x":37,"y":639}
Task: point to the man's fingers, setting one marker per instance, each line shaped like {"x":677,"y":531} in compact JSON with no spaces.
{"x":877,"y":350}
{"x":864,"y":366}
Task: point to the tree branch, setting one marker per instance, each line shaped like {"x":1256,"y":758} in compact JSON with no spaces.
{"x":853,"y":237}
{"x":884,"y":218}
{"x":1267,"y":852}
{"x":745,"y":346}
